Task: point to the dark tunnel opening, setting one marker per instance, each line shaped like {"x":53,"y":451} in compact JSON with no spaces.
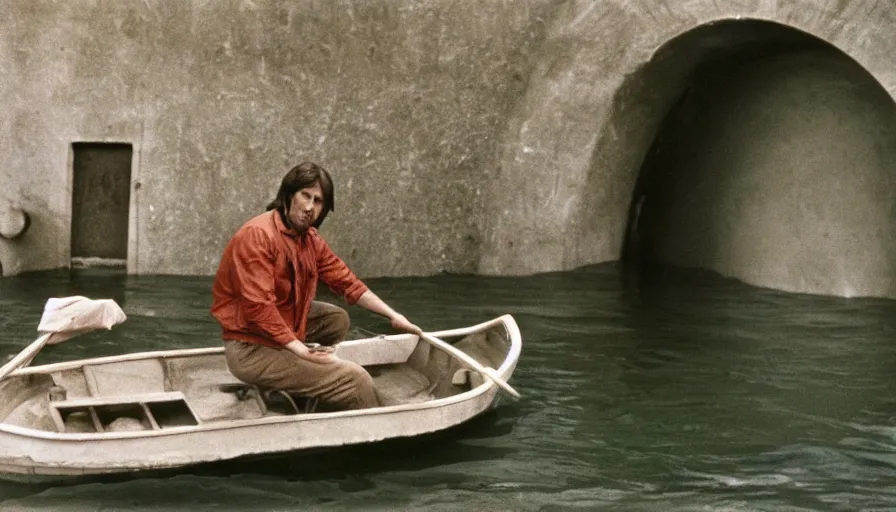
{"x":760,"y":162}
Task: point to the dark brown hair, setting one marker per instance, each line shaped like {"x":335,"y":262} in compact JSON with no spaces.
{"x":304,"y":175}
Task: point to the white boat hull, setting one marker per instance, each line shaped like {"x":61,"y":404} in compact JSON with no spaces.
{"x":32,"y":453}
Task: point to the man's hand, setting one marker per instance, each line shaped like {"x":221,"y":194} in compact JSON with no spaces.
{"x":322,"y":355}
{"x":371,"y":302}
{"x":401,"y":323}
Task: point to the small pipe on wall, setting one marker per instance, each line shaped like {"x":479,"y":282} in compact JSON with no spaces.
{"x":14,"y":222}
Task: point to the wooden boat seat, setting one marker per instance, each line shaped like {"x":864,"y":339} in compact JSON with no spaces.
{"x":144,"y":411}
{"x":272,"y":400}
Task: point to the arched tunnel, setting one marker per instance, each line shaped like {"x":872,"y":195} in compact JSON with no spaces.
{"x":740,"y":146}
{"x":774,"y":165}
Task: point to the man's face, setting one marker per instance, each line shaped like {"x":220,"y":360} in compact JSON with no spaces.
{"x":305,"y":207}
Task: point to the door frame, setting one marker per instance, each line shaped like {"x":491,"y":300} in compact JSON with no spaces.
{"x":133,"y":262}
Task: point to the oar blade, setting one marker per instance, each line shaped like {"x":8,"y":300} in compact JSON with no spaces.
{"x":489,"y":373}
{"x":493,"y":375}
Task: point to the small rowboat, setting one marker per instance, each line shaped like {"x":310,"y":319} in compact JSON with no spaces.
{"x":177,"y":408}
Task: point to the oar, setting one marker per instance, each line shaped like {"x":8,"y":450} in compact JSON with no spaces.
{"x":64,"y":318}
{"x":489,"y":373}
{"x":25,"y":355}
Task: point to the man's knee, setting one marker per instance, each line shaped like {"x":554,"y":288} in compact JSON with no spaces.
{"x":340,"y":321}
{"x":362,"y":376}
{"x":327,"y":323}
{"x":364,"y":392}
{"x":336,"y":323}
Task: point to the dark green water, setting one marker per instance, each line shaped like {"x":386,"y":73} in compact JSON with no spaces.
{"x":679,"y":391}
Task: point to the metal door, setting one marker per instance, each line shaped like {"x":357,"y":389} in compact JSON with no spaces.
{"x":101,"y":201}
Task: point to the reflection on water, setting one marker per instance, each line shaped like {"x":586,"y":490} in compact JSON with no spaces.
{"x":677,"y":390}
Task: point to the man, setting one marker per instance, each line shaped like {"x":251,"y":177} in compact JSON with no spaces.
{"x":263,"y":299}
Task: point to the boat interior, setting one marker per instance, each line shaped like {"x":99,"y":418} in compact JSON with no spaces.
{"x":184,"y":388}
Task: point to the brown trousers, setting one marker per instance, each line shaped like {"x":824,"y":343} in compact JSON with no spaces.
{"x":339,"y":385}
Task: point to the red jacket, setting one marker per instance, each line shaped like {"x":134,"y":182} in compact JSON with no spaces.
{"x":268,"y":277}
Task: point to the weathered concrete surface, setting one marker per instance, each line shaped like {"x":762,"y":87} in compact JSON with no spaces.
{"x":402,"y":101}
{"x":502,"y":139}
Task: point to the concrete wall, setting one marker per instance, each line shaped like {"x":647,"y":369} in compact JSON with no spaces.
{"x":401,"y":101}
{"x":501,"y":139}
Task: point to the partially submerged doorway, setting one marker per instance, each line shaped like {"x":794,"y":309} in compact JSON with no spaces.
{"x":101,"y":198}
